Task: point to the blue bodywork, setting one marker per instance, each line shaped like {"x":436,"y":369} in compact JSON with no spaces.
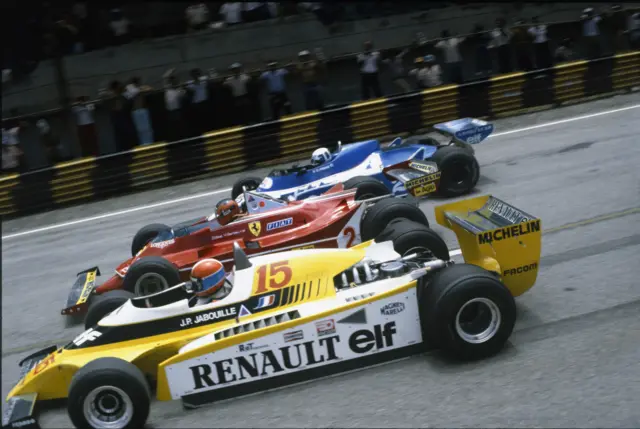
{"x":359,"y":159}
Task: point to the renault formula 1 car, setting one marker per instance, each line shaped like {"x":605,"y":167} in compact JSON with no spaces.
{"x":455,"y":159}
{"x":164,"y":256}
{"x":293,"y":316}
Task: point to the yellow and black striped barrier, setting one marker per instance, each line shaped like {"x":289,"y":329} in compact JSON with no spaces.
{"x":295,"y":136}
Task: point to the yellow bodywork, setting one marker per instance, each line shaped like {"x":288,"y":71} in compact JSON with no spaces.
{"x":514,"y":255}
{"x":50,"y":379}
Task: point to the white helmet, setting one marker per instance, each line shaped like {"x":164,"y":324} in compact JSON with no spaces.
{"x":320,"y":156}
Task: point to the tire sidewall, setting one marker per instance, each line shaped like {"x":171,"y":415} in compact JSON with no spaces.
{"x":249,"y":181}
{"x":421,"y":238}
{"x":101,"y":305}
{"x":445,"y":158}
{"x":143,"y":266}
{"x":145,"y":235}
{"x":376,"y":220}
{"x":366,"y":186}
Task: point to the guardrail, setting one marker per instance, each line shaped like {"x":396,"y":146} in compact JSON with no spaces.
{"x":240,"y":148}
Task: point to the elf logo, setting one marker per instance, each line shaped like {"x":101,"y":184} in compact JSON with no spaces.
{"x":364,"y":340}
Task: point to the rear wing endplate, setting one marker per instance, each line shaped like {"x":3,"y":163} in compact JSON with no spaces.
{"x":496,"y":236}
{"x":466,"y":130}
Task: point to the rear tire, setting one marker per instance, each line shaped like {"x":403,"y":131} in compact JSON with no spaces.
{"x":251,"y":183}
{"x":103,"y":304}
{"x":460,"y":171}
{"x":409,"y":237}
{"x":149,"y":275}
{"x":145,"y":235}
{"x":109,"y":389}
{"x":367,"y":187}
{"x":467,"y":312}
{"x":383,"y":212}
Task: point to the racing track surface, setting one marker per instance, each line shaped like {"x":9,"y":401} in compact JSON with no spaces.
{"x":574,"y":360}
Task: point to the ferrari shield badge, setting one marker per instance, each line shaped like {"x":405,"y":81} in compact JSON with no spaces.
{"x":255,"y":228}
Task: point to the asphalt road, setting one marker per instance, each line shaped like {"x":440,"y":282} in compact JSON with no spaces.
{"x":573,"y":361}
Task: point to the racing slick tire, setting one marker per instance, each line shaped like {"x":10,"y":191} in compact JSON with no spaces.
{"x":367,"y":187}
{"x":250,"y":183}
{"x":466,"y":312}
{"x":109,"y":390}
{"x":103,"y":304}
{"x":145,"y":235}
{"x":410,"y":237}
{"x":149,"y":275}
{"x":383,"y":212}
{"x":460,"y":171}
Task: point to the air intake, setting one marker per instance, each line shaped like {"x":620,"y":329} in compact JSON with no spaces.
{"x":258,"y":324}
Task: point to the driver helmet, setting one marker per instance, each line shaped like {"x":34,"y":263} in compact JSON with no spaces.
{"x":226,"y":210}
{"x":320,"y":156}
{"x":207,"y":277}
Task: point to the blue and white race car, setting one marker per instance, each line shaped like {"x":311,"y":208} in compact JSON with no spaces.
{"x":365,"y":165}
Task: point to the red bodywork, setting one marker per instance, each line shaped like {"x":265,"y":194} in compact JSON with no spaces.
{"x":315,"y":222}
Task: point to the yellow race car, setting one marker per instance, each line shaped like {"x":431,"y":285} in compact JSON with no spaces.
{"x":293,"y":316}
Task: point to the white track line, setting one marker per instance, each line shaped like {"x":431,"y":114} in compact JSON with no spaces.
{"x":207,"y":194}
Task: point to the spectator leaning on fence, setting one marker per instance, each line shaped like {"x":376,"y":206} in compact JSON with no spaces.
{"x":274,"y":79}
{"x":86,"y":126}
{"x":309,"y":69}
{"x":198,"y":89}
{"x":540,"y":44}
{"x":119,"y":26}
{"x":452,"y":58}
{"x":136,"y":93}
{"x":12,"y":155}
{"x":123,"y":130}
{"x":500,"y":41}
{"x":231,"y":12}
{"x":427,"y":73}
{"x":369,"y":62}
{"x":480,"y":41}
{"x":591,"y":33}
{"x":197,"y":16}
{"x":398,"y":71}
{"x":173,"y":102}
{"x":565,"y":52}
{"x":521,"y":40}
{"x":49,"y":141}
{"x":237,"y":83}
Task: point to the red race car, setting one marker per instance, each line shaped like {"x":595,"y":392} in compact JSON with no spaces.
{"x":346,"y":215}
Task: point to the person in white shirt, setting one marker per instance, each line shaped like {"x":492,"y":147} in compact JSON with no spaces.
{"x":369,"y":62}
{"x":135,"y":92}
{"x":591,"y":33}
{"x":452,"y":58}
{"x":119,"y":25}
{"x":427,"y":73}
{"x":49,"y":141}
{"x":231,"y":12}
{"x":237,"y":83}
{"x":173,"y":101}
{"x":11,"y":153}
{"x":541,"y":50}
{"x":86,"y":126}
{"x":501,"y":42}
{"x":198,"y":88}
{"x":197,"y":16}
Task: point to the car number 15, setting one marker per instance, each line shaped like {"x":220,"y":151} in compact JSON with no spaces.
{"x":273,"y":276}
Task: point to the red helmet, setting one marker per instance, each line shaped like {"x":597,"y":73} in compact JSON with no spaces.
{"x":226,"y":210}
{"x":207,"y":277}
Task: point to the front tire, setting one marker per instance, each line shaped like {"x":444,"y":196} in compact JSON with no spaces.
{"x":109,"y":392}
{"x":149,"y":275}
{"x":367,"y":187}
{"x":251,"y":183}
{"x":460,"y":171}
{"x":103,"y":304}
{"x":145,"y":235}
{"x":383,"y":212}
{"x":467,"y":312}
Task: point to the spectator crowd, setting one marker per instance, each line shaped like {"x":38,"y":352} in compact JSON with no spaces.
{"x":208,"y":100}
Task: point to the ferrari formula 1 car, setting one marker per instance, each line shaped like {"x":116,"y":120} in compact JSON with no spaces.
{"x":163,"y":256}
{"x":293,"y":316}
{"x":455,"y":159}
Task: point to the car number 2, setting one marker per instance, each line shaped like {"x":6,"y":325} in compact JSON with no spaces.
{"x":277,"y":275}
{"x":350,"y":234}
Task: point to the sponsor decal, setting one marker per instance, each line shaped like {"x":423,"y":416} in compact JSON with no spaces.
{"x":359,"y":317}
{"x":423,"y":180}
{"x":22,"y":423}
{"x":507,"y":211}
{"x":425,"y":168}
{"x":163,"y":244}
{"x":265,"y":301}
{"x":279,"y":224}
{"x":267,"y":183}
{"x":250,"y":346}
{"x":326,"y":327}
{"x":44,"y":364}
{"x":243,"y":312}
{"x":293,"y":336}
{"x":392,"y":308}
{"x":520,"y":270}
{"x":88,"y":335}
{"x":324,"y":167}
{"x":124,"y":270}
{"x":263,"y":364}
{"x":255,"y":228}
{"x":365,"y":340}
{"x":87,"y":288}
{"x":261,"y":204}
{"x":142,"y":250}
{"x":310,"y":246}
{"x":508,"y":232}
{"x":221,"y":313}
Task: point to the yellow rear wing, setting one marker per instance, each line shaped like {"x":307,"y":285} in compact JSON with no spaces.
{"x":497,"y":237}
